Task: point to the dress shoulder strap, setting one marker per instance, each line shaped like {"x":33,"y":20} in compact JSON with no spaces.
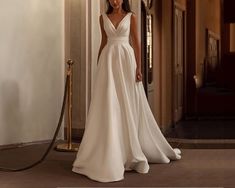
{"x":104,"y":15}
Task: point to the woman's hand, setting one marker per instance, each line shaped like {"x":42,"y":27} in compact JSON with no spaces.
{"x":138,"y":75}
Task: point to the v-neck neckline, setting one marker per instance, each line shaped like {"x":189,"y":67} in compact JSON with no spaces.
{"x":116,"y":28}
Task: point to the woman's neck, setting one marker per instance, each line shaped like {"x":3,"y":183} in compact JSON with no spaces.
{"x":118,"y":11}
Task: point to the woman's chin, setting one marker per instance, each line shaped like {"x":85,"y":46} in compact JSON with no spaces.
{"x":116,"y":8}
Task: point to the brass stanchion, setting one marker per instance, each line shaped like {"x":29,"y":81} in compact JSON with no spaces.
{"x":69,"y":146}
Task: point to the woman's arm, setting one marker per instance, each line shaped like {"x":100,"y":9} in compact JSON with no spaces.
{"x":104,"y":37}
{"x":136,"y":46}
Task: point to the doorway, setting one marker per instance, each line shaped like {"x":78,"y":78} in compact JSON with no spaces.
{"x":143,"y":47}
{"x":147,"y":50}
{"x":179,"y":62}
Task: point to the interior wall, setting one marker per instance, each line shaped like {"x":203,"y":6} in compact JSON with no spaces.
{"x":232,"y":37}
{"x":156,"y":103}
{"x":81,"y":46}
{"x":162,"y":60}
{"x":207,"y":16}
{"x":31,"y":69}
{"x":166,"y":65}
{"x":76,"y":31}
{"x":73,"y":51}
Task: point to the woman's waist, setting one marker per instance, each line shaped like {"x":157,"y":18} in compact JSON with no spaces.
{"x":118,"y":39}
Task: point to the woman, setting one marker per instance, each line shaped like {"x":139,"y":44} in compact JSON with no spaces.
{"x":120,"y":133}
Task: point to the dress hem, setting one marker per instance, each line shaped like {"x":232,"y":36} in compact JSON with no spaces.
{"x":99,"y":179}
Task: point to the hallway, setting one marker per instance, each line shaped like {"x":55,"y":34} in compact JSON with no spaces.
{"x":188,"y":63}
{"x":199,"y":168}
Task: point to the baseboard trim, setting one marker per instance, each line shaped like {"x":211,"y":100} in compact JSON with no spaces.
{"x":77,"y":135}
{"x":19,"y":145}
{"x":202,"y":143}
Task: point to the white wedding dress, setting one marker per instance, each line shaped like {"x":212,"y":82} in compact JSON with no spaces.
{"x":120,"y":132}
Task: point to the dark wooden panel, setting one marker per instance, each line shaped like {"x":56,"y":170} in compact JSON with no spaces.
{"x":212,"y":56}
{"x":229,"y":11}
{"x":190,"y":103}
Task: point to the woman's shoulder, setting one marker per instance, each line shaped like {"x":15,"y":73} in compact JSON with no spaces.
{"x":101,"y":17}
{"x":133,"y":16}
{"x":102,"y":14}
{"x":132,"y":13}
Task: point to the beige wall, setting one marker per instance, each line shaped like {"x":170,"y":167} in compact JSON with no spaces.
{"x":31,"y":69}
{"x":232,"y":37}
{"x":207,"y":16}
{"x":82,"y":43}
{"x":78,"y":45}
{"x":73,"y":51}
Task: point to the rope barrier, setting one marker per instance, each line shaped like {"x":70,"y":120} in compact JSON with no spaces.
{"x":4,"y":169}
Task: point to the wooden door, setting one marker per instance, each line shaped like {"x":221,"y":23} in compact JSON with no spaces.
{"x":178,"y":70}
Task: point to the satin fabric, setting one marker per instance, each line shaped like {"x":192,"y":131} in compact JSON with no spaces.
{"x":120,"y":133}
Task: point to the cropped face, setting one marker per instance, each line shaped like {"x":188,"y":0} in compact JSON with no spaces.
{"x":116,"y":3}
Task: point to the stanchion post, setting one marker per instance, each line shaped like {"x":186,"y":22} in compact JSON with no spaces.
{"x":69,"y":146}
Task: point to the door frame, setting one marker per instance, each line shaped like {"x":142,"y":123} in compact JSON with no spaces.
{"x":183,"y":9}
{"x":143,"y":48}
